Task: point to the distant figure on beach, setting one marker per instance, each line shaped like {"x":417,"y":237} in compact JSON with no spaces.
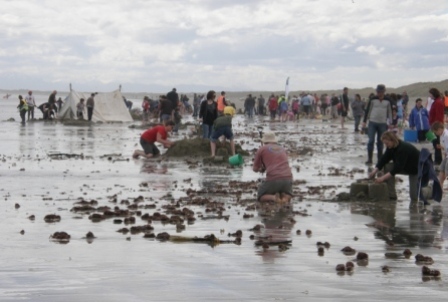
{"x":148,"y":139}
{"x":23,"y":108}
{"x":261,"y":103}
{"x":145,"y":108}
{"x":59,"y":102}
{"x":196,"y":105}
{"x":344,"y":106}
{"x":80,"y":108}
{"x":221,"y":103}
{"x":208,"y":114}
{"x":90,"y":104}
{"x":378,"y":111}
{"x":48,"y":110}
{"x":306,"y":102}
{"x":52,"y":98}
{"x":166,"y":109}
{"x":273,"y":159}
{"x":273,"y":107}
{"x":31,"y":104}
{"x":222,"y":126}
{"x":6,"y":96}
{"x":436,"y":114}
{"x":249,"y":105}
{"x":419,"y":120}
{"x":358,"y":111}
{"x":173,"y":97}
{"x":334,"y":106}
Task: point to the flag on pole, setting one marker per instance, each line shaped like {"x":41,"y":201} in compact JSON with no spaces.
{"x":287,"y":89}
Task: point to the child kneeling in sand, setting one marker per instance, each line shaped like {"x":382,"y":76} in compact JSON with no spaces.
{"x":273,"y":159}
{"x":149,"y":137}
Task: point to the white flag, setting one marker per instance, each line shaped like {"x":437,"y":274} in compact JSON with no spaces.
{"x":287,"y":89}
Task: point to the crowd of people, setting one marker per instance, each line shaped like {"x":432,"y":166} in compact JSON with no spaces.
{"x":381,"y":116}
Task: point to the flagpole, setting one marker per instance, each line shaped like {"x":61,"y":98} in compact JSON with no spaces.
{"x":287,"y":89}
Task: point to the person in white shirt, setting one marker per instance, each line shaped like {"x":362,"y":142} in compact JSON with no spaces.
{"x":31,"y":104}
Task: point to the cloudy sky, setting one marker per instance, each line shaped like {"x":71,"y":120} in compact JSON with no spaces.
{"x":196,"y":45}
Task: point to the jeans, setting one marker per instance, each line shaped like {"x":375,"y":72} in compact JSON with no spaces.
{"x":30,"y":112}
{"x":357,"y":121}
{"x":250,"y":112}
{"x":437,"y":152}
{"x":378,"y":129}
{"x":89,"y":113}
{"x":207,"y":131}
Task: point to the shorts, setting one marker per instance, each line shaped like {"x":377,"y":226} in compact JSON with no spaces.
{"x":444,"y":166}
{"x":224,"y":130}
{"x":275,"y":186}
{"x":446,"y":110}
{"x":344,"y":113}
{"x":295,"y":111}
{"x":149,"y":147}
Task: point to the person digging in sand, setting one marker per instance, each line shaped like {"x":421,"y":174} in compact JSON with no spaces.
{"x":149,"y":137}
{"x":273,"y":159}
{"x":223,"y":126}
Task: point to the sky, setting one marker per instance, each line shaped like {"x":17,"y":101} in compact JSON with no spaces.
{"x":232,"y":45}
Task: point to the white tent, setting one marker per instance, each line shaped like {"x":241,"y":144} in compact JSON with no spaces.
{"x":109,"y":107}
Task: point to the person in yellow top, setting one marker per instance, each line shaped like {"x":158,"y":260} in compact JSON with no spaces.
{"x":23,"y":108}
{"x":221,"y":103}
{"x":223,"y":126}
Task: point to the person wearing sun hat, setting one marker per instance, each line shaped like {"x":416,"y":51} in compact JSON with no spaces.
{"x":273,"y":159}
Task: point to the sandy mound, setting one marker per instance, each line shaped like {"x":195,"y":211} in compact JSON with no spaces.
{"x":198,"y":147}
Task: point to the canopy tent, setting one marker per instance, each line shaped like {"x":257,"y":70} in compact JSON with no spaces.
{"x":109,"y":107}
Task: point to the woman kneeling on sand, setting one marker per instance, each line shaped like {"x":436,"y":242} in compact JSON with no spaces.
{"x":273,"y":159}
{"x":149,"y":137}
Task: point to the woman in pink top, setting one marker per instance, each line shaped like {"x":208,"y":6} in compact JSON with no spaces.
{"x":273,"y":159}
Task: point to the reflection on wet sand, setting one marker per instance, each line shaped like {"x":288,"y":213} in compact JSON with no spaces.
{"x":274,"y":238}
{"x":416,"y":228}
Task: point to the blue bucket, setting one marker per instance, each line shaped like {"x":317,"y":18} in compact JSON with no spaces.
{"x":410,"y":135}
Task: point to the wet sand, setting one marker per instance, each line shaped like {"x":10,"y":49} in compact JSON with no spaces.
{"x":129,"y":267}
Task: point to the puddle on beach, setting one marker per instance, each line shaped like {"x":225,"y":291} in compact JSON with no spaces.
{"x":96,"y":165}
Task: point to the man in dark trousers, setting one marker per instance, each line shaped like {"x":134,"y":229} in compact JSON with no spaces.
{"x":377,"y":112}
{"x":173,"y":97}
{"x":90,"y":104}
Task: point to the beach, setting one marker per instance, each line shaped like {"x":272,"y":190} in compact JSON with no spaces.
{"x":39,"y":178}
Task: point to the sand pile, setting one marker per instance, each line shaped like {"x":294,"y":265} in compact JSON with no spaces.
{"x":198,"y":147}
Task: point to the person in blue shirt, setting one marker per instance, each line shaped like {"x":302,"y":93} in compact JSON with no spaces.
{"x":419,"y":119}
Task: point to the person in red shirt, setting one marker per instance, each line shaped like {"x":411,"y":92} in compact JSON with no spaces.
{"x":273,"y":159}
{"x":436,"y":114}
{"x":149,"y":137}
{"x":273,"y":106}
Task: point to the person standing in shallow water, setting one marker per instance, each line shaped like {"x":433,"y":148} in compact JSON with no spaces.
{"x":208,"y":113}
{"x":436,"y":114}
{"x":358,"y":111}
{"x":345,"y":106}
{"x":23,"y":108}
{"x":273,"y":159}
{"x":90,"y":104}
{"x":31,"y":104}
{"x":377,"y":112}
